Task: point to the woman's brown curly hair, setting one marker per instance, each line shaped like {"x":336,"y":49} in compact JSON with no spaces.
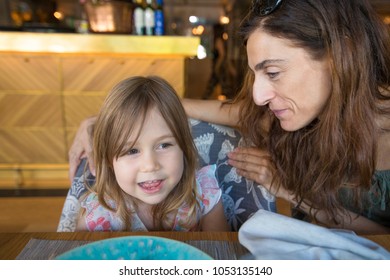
{"x":339,"y":148}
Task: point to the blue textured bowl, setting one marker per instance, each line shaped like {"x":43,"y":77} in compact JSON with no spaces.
{"x":135,"y":248}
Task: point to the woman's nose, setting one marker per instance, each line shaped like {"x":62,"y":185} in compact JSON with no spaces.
{"x":262,"y":93}
{"x":150,"y":162}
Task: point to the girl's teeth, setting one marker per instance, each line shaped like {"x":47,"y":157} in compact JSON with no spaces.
{"x":150,"y":184}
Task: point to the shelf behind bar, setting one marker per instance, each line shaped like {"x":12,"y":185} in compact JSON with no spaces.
{"x":67,"y":43}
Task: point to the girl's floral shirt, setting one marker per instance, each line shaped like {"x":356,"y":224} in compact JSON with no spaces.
{"x":99,"y":218}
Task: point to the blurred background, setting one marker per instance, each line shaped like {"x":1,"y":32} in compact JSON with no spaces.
{"x":182,"y":18}
{"x":45,"y":95}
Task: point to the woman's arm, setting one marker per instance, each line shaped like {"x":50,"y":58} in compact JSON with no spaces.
{"x":212,"y":111}
{"x":254,"y":164}
{"x":351,"y":221}
{"x":82,"y":147}
{"x":215,"y":220}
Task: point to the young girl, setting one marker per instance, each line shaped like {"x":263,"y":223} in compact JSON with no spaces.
{"x":145,"y":159}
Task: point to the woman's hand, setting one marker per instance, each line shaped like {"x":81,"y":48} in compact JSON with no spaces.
{"x":82,"y":147}
{"x":255,"y":164}
{"x":252,"y":163}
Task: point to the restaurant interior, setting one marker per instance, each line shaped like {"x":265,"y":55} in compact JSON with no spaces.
{"x":56,"y":66}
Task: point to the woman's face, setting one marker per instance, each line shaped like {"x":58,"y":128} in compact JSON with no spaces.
{"x":154,"y":164}
{"x":294,"y":86}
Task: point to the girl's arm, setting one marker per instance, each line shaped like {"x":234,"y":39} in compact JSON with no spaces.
{"x":81,"y":225}
{"x":215,"y":220}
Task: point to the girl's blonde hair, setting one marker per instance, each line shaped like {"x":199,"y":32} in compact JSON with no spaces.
{"x":126,"y":106}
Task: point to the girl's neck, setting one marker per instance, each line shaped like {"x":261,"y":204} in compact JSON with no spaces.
{"x":145,"y":214}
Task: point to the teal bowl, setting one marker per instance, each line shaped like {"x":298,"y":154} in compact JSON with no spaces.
{"x":135,"y":248}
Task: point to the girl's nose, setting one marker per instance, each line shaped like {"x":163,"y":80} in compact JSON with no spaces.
{"x":149,"y":162}
{"x":262,"y":93}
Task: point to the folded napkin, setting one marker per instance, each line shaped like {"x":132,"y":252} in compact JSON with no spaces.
{"x":269,"y":235}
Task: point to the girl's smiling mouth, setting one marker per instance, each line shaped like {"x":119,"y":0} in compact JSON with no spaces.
{"x":152,"y":186}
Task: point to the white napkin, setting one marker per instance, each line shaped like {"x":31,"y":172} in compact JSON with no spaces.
{"x":269,"y":235}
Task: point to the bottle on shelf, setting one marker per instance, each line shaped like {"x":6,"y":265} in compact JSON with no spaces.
{"x":139,"y":18}
{"x":83,"y":25}
{"x":149,"y":18}
{"x":159,"y":18}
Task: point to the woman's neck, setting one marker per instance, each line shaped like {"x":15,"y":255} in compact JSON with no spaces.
{"x":383,"y":153}
{"x":383,"y":145}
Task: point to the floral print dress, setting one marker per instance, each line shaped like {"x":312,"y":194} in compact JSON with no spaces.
{"x":99,"y":218}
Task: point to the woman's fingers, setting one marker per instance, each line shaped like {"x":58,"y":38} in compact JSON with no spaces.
{"x":255,"y":164}
{"x":249,"y":159}
{"x":81,"y":148}
{"x":74,"y":160}
{"x":252,"y":163}
{"x":249,"y":151}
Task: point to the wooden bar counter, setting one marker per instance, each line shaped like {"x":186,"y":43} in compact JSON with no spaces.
{"x":50,"y":82}
{"x":11,"y":244}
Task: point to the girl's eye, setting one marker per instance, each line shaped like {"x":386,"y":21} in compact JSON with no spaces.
{"x":133,"y":151}
{"x":165,"y":145}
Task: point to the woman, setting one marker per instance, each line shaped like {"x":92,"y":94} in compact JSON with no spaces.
{"x":315,"y":106}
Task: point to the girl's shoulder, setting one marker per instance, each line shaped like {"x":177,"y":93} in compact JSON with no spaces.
{"x":208,"y":188}
{"x":97,"y":217}
{"x":208,"y":193}
{"x":206,"y":178}
{"x":90,"y":200}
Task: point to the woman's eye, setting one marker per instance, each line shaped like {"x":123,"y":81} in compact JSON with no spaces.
{"x":272,"y":75}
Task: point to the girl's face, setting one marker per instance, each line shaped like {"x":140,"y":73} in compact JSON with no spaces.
{"x":294,"y":86}
{"x":154,"y":165}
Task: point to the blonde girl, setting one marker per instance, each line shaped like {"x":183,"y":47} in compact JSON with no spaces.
{"x":146,"y":163}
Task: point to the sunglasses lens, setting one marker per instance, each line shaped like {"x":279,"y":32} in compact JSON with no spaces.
{"x":265,"y":7}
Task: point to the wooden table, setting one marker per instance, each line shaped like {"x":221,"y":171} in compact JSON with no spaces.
{"x":11,"y":244}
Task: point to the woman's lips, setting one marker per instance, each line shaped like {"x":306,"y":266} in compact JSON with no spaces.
{"x":152,"y":186}
{"x":279,"y":113}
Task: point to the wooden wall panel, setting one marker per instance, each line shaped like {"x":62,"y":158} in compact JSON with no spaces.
{"x":43,"y":99}
{"x":32,"y":146}
{"x":79,"y":107}
{"x":49,"y":83}
{"x":100,"y":74}
{"x":30,"y":110}
{"x":87,"y":80}
{"x":29,"y":73}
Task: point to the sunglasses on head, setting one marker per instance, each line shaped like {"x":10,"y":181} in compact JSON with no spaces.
{"x":265,"y":7}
